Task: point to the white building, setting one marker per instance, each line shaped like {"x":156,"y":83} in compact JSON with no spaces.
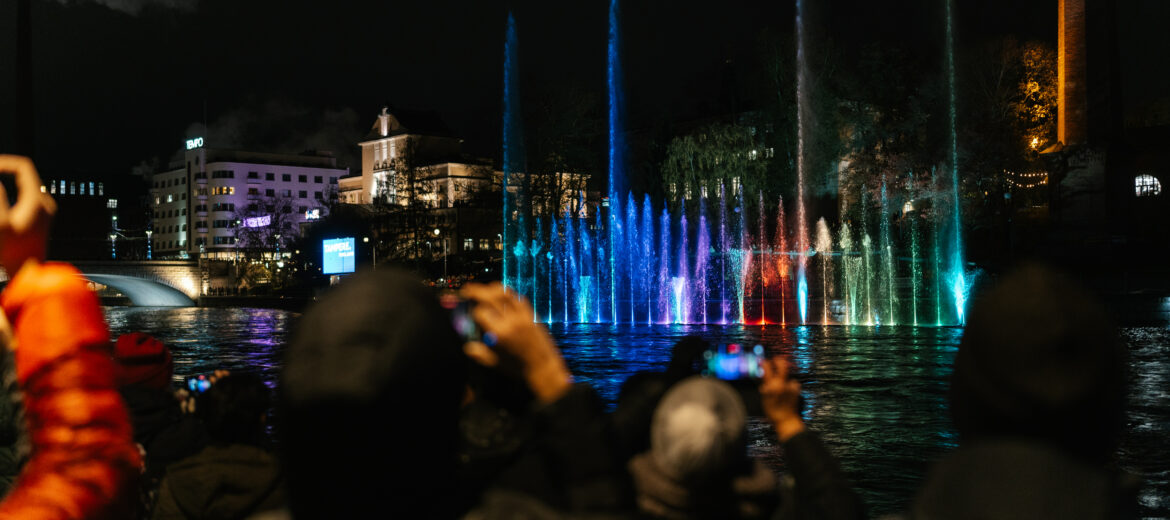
{"x":417,"y":141}
{"x":195,"y":202}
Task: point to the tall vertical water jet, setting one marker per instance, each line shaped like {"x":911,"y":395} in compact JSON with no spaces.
{"x":782,"y":259}
{"x":724,"y":247}
{"x":616,"y":141}
{"x":957,"y":278}
{"x":665,"y":282}
{"x":915,"y":263}
{"x":848,"y":276}
{"x":647,"y":259}
{"x":702,"y":257}
{"x":742,"y":254}
{"x":887,"y":256}
{"x":682,"y":305}
{"x":801,"y":115}
{"x":764,"y":266}
{"x":629,"y":264}
{"x":512,"y":144}
{"x":867,"y":277}
{"x":824,"y":245}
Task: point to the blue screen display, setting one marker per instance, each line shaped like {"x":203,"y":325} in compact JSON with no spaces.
{"x":337,"y":256}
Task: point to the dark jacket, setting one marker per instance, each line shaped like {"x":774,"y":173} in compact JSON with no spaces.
{"x":751,"y":494}
{"x":221,"y":482}
{"x":567,"y":467}
{"x":1016,"y":478}
{"x":164,"y":431}
{"x":815,"y":486}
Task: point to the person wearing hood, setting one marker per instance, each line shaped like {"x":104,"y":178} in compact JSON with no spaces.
{"x":233,"y":477}
{"x":1037,"y":396}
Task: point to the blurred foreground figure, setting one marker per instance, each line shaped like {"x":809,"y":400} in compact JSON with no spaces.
{"x":83,"y":462}
{"x":371,"y":393}
{"x":1037,"y":396}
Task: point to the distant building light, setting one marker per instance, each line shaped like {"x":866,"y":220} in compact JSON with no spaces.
{"x":195,"y":143}
{"x":112,"y":203}
{"x":313,"y":214}
{"x":1146,"y":186}
{"x":907,"y":207}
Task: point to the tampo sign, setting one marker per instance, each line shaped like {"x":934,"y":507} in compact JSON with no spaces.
{"x":195,"y":143}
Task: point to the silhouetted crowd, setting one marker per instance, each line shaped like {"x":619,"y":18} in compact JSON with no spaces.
{"x":384,"y":410}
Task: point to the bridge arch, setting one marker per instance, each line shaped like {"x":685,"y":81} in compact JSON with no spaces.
{"x":143,"y":292}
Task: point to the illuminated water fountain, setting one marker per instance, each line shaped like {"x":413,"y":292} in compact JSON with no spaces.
{"x":726,"y":256}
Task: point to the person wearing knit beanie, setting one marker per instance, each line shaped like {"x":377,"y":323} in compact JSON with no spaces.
{"x":698,"y":466}
{"x":141,"y":360}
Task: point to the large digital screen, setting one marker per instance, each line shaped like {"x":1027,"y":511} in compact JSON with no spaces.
{"x":337,"y":256}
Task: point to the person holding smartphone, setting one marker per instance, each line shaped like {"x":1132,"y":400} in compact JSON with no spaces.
{"x":370,"y":399}
{"x":697,"y":465}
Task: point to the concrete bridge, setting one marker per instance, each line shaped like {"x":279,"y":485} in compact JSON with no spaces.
{"x":153,"y":283}
{"x":163,"y":283}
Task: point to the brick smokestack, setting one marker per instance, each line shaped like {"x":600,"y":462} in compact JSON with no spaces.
{"x":1072,"y":115}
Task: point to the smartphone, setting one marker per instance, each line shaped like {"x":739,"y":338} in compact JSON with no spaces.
{"x":461,"y":319}
{"x":198,"y":384}
{"x":734,"y":361}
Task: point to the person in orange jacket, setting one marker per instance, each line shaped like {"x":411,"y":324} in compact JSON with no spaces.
{"x":83,"y":462}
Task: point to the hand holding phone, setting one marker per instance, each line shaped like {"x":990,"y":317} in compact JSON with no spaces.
{"x":780,"y":397}
{"x":461,"y":319}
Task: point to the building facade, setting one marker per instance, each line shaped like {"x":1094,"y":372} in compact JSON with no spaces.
{"x":201,"y":203}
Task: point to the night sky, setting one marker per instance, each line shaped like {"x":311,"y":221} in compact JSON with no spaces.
{"x":120,"y":83}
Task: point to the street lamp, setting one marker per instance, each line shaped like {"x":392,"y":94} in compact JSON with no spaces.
{"x":437,"y":233}
{"x":373,"y":252}
{"x":148,"y":243}
{"x":113,"y":246}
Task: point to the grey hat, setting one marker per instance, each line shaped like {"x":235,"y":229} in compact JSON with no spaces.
{"x":699,"y":429}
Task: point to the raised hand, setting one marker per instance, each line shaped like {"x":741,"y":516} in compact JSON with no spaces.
{"x":24,"y":227}
{"x":507,"y":323}
{"x":780,"y":397}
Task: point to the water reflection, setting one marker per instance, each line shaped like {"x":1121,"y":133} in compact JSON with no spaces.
{"x":205,"y":339}
{"x":877,"y":394}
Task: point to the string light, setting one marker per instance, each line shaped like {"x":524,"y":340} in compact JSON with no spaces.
{"x":1037,"y":178}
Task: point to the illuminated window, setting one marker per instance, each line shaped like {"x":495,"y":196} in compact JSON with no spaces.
{"x":468,"y":244}
{"x":1146,"y":186}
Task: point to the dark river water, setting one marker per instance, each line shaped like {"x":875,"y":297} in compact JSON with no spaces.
{"x":876,"y":395}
